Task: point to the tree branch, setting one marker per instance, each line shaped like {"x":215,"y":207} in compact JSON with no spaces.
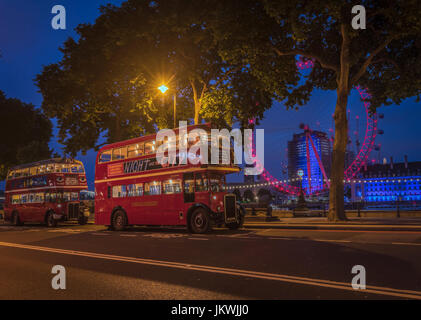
{"x":369,"y":60}
{"x":323,"y":63}
{"x":391,"y":61}
{"x":225,"y":76}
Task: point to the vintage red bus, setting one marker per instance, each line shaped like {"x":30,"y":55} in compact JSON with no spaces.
{"x":133,"y":188}
{"x":45,"y":191}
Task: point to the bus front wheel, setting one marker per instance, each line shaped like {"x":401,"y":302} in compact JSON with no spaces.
{"x":119,"y":221}
{"x":199,"y":221}
{"x":50,"y":221}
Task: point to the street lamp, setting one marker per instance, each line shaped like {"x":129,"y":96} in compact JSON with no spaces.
{"x":163,"y":88}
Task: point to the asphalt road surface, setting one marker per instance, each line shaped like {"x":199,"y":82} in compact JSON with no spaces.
{"x":169,"y":263}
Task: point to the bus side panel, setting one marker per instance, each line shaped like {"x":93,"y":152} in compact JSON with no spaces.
{"x":146,"y":209}
{"x":172,"y":207}
{"x":7,"y":207}
{"x":102,"y":205}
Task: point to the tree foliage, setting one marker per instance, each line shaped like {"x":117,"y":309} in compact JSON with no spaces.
{"x":270,"y":35}
{"x":25,"y":133}
{"x":106,"y":83}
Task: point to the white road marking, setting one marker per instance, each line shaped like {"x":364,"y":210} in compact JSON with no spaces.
{"x":407,"y":243}
{"x":66,"y":231}
{"x":165,"y":235}
{"x":326,"y":240}
{"x":409,"y":294}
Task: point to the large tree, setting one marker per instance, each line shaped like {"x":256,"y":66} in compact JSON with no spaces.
{"x":106,"y":84}
{"x":25,"y":133}
{"x":270,"y":35}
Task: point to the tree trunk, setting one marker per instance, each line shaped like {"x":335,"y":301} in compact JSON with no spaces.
{"x":196,"y":102}
{"x":196,"y":112}
{"x":336,"y":195}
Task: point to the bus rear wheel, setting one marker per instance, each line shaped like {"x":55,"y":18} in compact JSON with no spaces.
{"x":199,"y":221}
{"x":50,"y":221}
{"x":119,"y":221}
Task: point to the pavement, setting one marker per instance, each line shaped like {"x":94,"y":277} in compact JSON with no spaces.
{"x":362,"y":223}
{"x":170,"y":263}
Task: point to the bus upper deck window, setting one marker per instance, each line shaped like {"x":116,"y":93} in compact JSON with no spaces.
{"x":120,"y":153}
{"x":135,"y":150}
{"x":150,"y":147}
{"x":105,"y":156}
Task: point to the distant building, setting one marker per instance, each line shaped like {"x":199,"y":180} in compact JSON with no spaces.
{"x":249,"y":178}
{"x":297,"y":160}
{"x":388,"y":182}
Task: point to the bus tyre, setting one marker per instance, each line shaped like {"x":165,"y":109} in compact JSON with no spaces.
{"x":50,"y":221}
{"x":199,"y":221}
{"x":119,"y":221}
{"x":16,"y":220}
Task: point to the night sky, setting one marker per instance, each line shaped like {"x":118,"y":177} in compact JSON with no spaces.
{"x":28,"y":42}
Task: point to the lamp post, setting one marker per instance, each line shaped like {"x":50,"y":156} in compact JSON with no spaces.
{"x":163,"y":88}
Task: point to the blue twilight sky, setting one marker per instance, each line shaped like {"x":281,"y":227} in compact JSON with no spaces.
{"x":28,"y":42}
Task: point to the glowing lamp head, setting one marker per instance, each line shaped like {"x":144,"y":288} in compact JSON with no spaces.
{"x":163,"y":88}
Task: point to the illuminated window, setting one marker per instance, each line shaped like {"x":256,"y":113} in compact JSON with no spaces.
{"x":201,"y":182}
{"x":149,"y":147}
{"x":119,"y":191}
{"x":16,"y":199}
{"x":152,"y":188}
{"x":135,"y":150}
{"x":105,"y":156}
{"x":119,"y":153}
{"x":172,"y":186}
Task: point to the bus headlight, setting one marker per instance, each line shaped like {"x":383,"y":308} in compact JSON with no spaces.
{"x":218,"y":208}
{"x":214,"y":197}
{"x":59,"y":206}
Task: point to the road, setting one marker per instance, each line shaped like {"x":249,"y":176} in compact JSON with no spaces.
{"x":169,"y":263}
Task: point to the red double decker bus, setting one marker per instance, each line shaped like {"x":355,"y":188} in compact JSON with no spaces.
{"x":133,"y":188}
{"x":46,"y":191}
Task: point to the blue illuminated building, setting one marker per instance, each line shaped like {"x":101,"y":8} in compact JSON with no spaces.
{"x":297,"y":160}
{"x":388,"y":183}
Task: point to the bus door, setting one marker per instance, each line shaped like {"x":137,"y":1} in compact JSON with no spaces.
{"x":188,"y":183}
